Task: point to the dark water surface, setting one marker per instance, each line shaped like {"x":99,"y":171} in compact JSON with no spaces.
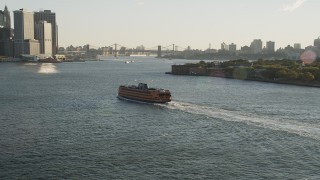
{"x":63,"y":121}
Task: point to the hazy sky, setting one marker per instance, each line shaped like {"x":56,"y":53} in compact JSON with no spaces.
{"x":183,"y":22}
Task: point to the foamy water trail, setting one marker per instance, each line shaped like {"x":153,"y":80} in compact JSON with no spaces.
{"x":48,"y":68}
{"x":290,"y":126}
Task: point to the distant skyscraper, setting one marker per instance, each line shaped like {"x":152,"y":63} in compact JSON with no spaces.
{"x":6,"y":34}
{"x":1,"y":19}
{"x":43,"y":33}
{"x":50,"y":17}
{"x":256,"y":46}
{"x":317,"y":43}
{"x":23,"y":25}
{"x":233,"y":47}
{"x":270,"y":47}
{"x":5,"y":20}
{"x":24,"y":33}
{"x":224,"y":46}
{"x":297,"y":46}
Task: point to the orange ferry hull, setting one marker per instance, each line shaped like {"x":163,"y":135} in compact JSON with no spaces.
{"x":144,"y":95}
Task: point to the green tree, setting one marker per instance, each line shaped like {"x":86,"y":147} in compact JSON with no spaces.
{"x":282,"y":74}
{"x":312,"y":69}
{"x":242,"y":73}
{"x":292,"y":75}
{"x":307,"y":77}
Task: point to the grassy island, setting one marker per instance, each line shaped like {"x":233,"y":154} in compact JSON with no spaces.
{"x":276,"y":71}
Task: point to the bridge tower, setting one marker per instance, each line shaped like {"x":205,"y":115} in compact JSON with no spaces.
{"x":115,"y":50}
{"x":172,"y":49}
{"x":159,"y":51}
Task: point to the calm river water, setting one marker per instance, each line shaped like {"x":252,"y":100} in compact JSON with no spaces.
{"x":63,"y":121}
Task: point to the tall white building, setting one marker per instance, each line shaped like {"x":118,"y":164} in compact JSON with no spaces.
{"x":43,"y":33}
{"x":24,"y":33}
{"x":256,"y":46}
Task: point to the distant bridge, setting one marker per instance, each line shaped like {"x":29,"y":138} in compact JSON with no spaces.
{"x":116,"y":49}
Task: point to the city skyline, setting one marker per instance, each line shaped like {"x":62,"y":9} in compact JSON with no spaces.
{"x":151,"y":23}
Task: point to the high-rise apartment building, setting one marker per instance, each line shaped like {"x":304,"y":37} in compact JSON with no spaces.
{"x":24,"y":33}
{"x":43,"y":33}
{"x":233,"y":48}
{"x":50,"y":17}
{"x":270,"y":47}
{"x":256,"y":46}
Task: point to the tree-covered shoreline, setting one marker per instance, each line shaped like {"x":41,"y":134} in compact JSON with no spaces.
{"x":277,"y":71}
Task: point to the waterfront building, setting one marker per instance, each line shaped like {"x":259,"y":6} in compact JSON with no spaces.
{"x":297,"y":46}
{"x":43,"y":33}
{"x":31,"y":46}
{"x":270,"y":47}
{"x":233,"y":48}
{"x":256,"y":46}
{"x":6,"y":42}
{"x":224,"y":47}
{"x":50,"y":17}
{"x":24,"y":34}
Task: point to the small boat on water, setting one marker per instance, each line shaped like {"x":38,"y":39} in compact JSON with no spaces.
{"x":127,"y":62}
{"x":144,"y":94}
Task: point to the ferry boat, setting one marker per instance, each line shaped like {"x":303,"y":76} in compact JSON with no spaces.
{"x":143,"y":93}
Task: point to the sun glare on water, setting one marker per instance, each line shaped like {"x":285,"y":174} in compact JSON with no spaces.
{"x":48,"y":68}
